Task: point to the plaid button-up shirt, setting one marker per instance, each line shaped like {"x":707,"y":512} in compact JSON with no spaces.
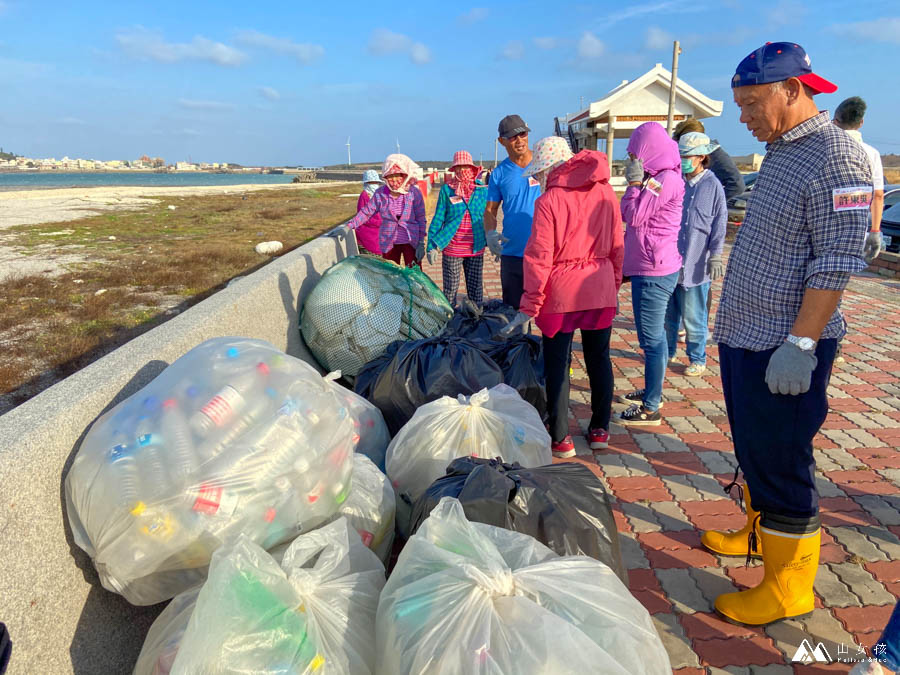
{"x":797,"y":234}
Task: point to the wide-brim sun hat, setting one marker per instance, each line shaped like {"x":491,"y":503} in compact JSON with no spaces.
{"x":548,"y":152}
{"x":694,"y":143}
{"x":462,"y":158}
{"x":371,"y":176}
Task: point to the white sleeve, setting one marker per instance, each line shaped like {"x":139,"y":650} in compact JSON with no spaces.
{"x":877,"y":169}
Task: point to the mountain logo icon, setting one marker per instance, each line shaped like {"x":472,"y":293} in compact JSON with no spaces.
{"x":807,"y":654}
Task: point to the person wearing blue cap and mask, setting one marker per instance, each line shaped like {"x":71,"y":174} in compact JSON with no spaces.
{"x":779,"y":320}
{"x":704,"y":218}
{"x":367,"y":233}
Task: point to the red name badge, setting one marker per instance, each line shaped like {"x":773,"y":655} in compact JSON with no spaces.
{"x":852,"y":198}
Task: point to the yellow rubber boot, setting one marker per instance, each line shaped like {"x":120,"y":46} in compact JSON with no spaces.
{"x":791,"y":562}
{"x":736,"y":543}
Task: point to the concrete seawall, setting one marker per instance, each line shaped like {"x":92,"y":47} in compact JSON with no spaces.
{"x":60,"y":619}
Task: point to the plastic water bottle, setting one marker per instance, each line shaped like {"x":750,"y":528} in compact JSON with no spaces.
{"x":228,"y":401}
{"x":150,"y":456}
{"x":212,"y":446}
{"x":175,"y":430}
{"x":281,"y":442}
{"x":126,"y":472}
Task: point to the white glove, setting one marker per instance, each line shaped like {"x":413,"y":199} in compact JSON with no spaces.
{"x":872,"y":246}
{"x":495,"y":242}
{"x":520,"y":319}
{"x":431,"y":255}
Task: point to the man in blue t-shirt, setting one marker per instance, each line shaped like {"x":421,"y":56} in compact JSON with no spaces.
{"x":517,"y":194}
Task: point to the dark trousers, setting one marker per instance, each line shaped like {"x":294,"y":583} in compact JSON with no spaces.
{"x":558,"y":359}
{"x":773,"y":433}
{"x":512,"y":279}
{"x":473,"y":267}
{"x":407,"y":251}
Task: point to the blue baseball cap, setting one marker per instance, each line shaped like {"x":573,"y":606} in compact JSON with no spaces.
{"x":776,"y":62}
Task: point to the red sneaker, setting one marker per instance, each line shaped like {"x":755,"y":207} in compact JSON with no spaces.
{"x":564,"y":448}
{"x":598,"y":438}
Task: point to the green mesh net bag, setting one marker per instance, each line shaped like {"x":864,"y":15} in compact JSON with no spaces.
{"x":363,"y":304}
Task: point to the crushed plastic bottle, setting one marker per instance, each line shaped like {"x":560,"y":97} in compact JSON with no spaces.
{"x":228,"y":401}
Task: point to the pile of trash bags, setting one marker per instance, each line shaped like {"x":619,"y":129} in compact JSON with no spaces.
{"x":362,"y":304}
{"x":308,"y":608}
{"x":410,"y":374}
{"x":563,"y":506}
{"x":467,"y":597}
{"x":233,"y":438}
{"x":491,"y":423}
{"x":480,"y":322}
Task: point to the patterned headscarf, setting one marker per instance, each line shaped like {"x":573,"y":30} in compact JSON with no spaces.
{"x":547,"y":154}
{"x":397,"y":163}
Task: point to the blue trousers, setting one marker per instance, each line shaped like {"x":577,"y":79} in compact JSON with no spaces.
{"x":512,"y":279}
{"x":890,"y":640}
{"x":689,"y":304}
{"x":773,"y":433}
{"x":650,"y":300}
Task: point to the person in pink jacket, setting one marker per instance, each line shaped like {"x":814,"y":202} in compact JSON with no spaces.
{"x":572,"y":272}
{"x":367,"y":233}
{"x":651,"y":211}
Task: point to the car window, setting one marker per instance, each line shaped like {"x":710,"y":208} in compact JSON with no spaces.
{"x":891,"y":198}
{"x":892,"y":215}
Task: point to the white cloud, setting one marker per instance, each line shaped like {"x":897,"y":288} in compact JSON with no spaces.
{"x":384,"y":41}
{"x":71,"y":121}
{"x":787,"y":12}
{"x":590,"y":47}
{"x":192,"y":104}
{"x":3,"y":6}
{"x":269,"y":93}
{"x":886,"y":29}
{"x":145,"y":44}
{"x":546,"y":42}
{"x":304,"y":52}
{"x":513,"y":51}
{"x":657,"y":38}
{"x":474,"y":15}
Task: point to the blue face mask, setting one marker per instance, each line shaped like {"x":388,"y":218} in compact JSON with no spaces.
{"x":687,"y":165}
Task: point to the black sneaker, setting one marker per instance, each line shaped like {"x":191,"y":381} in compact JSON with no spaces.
{"x":637,"y":396}
{"x":637,"y":416}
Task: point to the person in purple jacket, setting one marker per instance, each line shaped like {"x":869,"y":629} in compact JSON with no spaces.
{"x":651,"y":210}
{"x":700,"y":242}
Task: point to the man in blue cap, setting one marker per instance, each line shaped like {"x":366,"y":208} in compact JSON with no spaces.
{"x":779,"y":321}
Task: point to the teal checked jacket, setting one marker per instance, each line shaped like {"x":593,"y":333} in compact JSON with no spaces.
{"x":448,"y":217}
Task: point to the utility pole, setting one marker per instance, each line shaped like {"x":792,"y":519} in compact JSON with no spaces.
{"x":582,"y":104}
{"x":496,"y":143}
{"x":349,"y":163}
{"x":398,"y":146}
{"x":676,"y":50}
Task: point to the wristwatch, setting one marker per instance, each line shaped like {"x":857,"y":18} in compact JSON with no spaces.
{"x":804,"y":343}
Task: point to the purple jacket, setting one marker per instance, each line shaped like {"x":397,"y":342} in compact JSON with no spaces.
{"x":652,"y":212}
{"x":412,"y":218}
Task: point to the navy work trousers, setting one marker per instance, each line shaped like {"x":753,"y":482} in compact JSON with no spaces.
{"x":773,"y":433}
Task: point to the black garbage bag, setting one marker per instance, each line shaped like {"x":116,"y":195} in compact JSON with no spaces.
{"x":411,"y":374}
{"x":483,"y":322}
{"x":564,"y":506}
{"x":521,"y":358}
{"x":5,"y":648}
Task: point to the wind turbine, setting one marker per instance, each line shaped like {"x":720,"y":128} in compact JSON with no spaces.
{"x":349,"y":163}
{"x":398,"y":146}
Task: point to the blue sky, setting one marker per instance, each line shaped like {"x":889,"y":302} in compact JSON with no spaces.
{"x":286,"y":83}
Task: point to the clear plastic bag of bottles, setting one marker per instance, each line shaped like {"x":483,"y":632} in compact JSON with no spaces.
{"x":310,"y":611}
{"x":234,"y":437}
{"x":493,"y":422}
{"x":467,"y":597}
{"x":371,"y":432}
{"x":370,"y":507}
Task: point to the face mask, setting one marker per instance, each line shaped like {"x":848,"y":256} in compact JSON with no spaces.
{"x":371,"y":187}
{"x":687,"y":165}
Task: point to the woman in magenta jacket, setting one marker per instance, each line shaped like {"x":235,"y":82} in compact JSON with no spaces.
{"x":573,"y":271}
{"x":367,"y":233}
{"x":651,"y":211}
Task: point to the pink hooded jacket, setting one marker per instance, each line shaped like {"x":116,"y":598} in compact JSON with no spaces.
{"x":573,"y":259}
{"x":652,"y":212}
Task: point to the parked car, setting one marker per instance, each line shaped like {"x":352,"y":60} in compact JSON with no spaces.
{"x":891,"y":196}
{"x":737,"y":205}
{"x":890,"y":227}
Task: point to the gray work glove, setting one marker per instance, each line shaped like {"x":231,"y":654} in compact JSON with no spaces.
{"x":420,"y":251}
{"x":520,"y":319}
{"x":432,"y":255}
{"x":790,"y":370}
{"x":634,"y":170}
{"x":495,"y":243}
{"x":872,"y":246}
{"x":715,"y":267}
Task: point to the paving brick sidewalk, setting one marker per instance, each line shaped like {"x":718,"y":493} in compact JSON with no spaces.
{"x":667,"y":482}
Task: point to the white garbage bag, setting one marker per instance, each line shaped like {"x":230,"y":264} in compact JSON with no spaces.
{"x":493,"y":422}
{"x":312,"y":612}
{"x":473,"y":598}
{"x":370,"y":507}
{"x":371,"y":433}
{"x":234,"y":437}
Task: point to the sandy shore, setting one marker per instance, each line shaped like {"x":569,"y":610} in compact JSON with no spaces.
{"x":33,"y":207}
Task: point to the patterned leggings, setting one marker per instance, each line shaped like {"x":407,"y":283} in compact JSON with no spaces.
{"x":473,"y":267}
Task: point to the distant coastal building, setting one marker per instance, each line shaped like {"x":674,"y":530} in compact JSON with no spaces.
{"x":626,"y":107}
